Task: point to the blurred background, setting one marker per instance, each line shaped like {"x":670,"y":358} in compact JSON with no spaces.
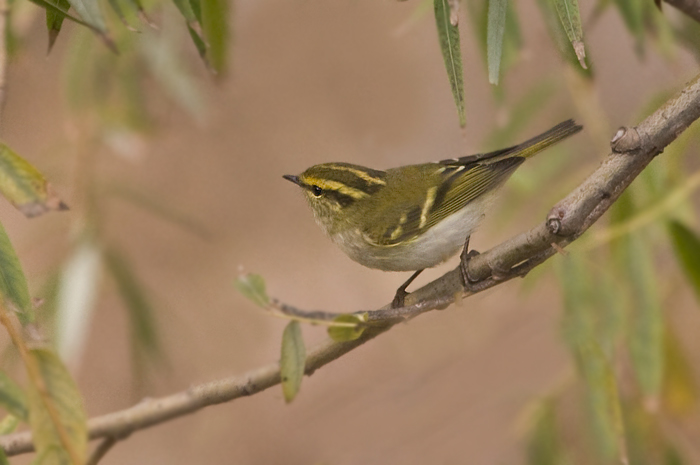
{"x":174,"y":179}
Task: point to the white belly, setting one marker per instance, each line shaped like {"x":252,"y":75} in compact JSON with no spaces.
{"x":436,"y":245}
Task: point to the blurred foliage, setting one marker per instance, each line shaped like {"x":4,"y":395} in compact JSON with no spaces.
{"x":634,"y":376}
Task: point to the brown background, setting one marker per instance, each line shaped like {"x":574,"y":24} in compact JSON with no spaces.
{"x":315,"y":81}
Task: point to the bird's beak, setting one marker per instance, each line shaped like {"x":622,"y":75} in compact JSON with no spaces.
{"x":294,"y":179}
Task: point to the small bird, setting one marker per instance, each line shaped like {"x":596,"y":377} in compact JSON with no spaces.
{"x":415,"y":216}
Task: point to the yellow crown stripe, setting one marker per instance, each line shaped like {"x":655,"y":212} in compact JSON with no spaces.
{"x":359,"y":173}
{"x":327,"y":184}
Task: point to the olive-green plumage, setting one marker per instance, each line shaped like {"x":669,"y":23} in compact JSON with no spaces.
{"x":416,"y":216}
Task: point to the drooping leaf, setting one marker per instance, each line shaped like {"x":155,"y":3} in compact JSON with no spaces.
{"x":122,"y":12}
{"x":90,"y":12}
{"x":686,"y":245}
{"x":3,"y":458}
{"x":24,"y":186}
{"x":560,"y":38}
{"x":141,"y":315}
{"x":64,"y":397}
{"x":252,"y":286}
{"x":9,"y":424}
{"x":680,"y":390}
{"x":292,"y":360}
{"x":494,"y":41}
{"x":214,"y":21}
{"x":448,"y":35}
{"x":646,"y":326}
{"x":77,"y":294}
{"x":12,"y":397}
{"x":54,"y":20}
{"x":13,"y":284}
{"x":350,"y":327}
{"x":63,"y":13}
{"x":571,"y":21}
{"x":185,"y":8}
{"x":583,"y":339}
{"x":603,"y":398}
{"x":632,"y":13}
{"x":544,"y":444}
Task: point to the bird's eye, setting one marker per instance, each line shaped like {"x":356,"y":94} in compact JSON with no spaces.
{"x":317,"y":191}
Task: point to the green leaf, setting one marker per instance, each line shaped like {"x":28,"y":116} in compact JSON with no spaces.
{"x":185,"y":9}
{"x":3,"y":458}
{"x":344,"y":331}
{"x":90,"y":12}
{"x":686,"y":245}
{"x":448,"y":35}
{"x":559,"y":37}
{"x":65,"y":398}
{"x":9,"y":424}
{"x":252,"y":286}
{"x":48,"y":6}
{"x":12,"y":397}
{"x":603,"y":398}
{"x":680,"y":390}
{"x":77,"y":295}
{"x":24,"y":186}
{"x":13,"y":284}
{"x":54,"y":19}
{"x":141,"y":315}
{"x":571,"y":20}
{"x":494,"y":38}
{"x":215,"y":29}
{"x":292,"y":360}
{"x":544,"y":444}
{"x":646,"y":327}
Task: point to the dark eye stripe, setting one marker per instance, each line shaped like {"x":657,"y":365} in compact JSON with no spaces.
{"x":342,"y":199}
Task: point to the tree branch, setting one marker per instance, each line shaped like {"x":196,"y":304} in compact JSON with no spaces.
{"x":689,"y":7}
{"x":633,"y":150}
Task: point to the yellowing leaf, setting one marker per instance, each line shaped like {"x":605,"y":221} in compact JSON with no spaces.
{"x":253,"y":287}
{"x":448,"y":34}
{"x":24,"y":185}
{"x":292,"y":360}
{"x":13,"y":284}
{"x":215,"y":29}
{"x":687,"y":247}
{"x":680,"y":390}
{"x":64,"y":399}
{"x":350,"y":328}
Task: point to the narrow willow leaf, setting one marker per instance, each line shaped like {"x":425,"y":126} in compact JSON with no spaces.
{"x":185,"y":9}
{"x":680,"y":390}
{"x":348,"y":333}
{"x":12,"y":397}
{"x":117,"y":7}
{"x":141,"y":315}
{"x":632,"y":12}
{"x":13,"y":284}
{"x":571,"y":20}
{"x":215,"y":29}
{"x":3,"y":458}
{"x":646,"y":327}
{"x":9,"y":424}
{"x":559,"y":37}
{"x":448,"y":36}
{"x":687,"y":248}
{"x":77,"y":294}
{"x":292,"y":360}
{"x":64,"y":396}
{"x":46,"y":5}
{"x":24,"y":185}
{"x":54,"y":20}
{"x":544,"y":444}
{"x":494,"y":37}
{"x":198,"y":41}
{"x":604,"y":401}
{"x":90,"y":12}
{"x":252,"y":286}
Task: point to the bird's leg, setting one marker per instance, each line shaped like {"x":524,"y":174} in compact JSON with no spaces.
{"x":467,"y":255}
{"x":401,"y":291}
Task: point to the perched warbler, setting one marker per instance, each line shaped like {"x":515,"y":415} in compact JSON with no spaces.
{"x":416,"y":216}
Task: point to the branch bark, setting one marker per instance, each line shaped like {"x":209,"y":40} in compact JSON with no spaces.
{"x":689,"y":7}
{"x":633,"y":149}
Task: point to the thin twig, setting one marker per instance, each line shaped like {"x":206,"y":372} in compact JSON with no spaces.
{"x":634,"y":148}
